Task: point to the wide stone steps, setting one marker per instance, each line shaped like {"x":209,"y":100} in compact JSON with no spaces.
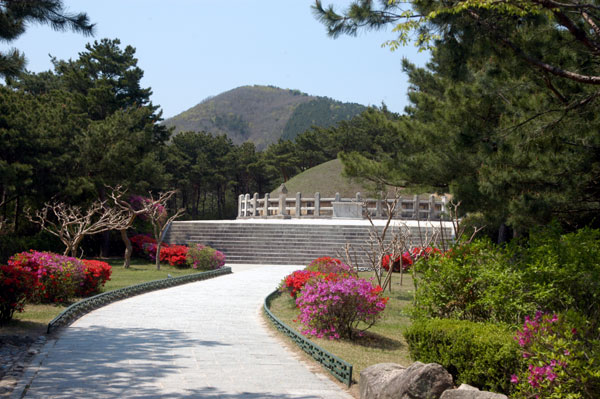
{"x":263,"y":243}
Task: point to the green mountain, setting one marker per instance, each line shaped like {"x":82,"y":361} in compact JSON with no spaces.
{"x":262,"y":114}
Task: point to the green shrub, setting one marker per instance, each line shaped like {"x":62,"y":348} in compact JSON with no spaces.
{"x":476,"y":282}
{"x":480,"y":354}
{"x":483,"y":282}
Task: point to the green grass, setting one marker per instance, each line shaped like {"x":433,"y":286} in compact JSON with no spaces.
{"x":382,"y":343}
{"x":35,"y":318}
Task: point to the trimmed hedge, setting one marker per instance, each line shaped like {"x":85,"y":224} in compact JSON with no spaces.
{"x":480,"y":354}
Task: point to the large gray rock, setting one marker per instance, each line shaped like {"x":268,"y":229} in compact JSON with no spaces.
{"x":376,"y":378}
{"x":468,"y":392}
{"x":419,"y":381}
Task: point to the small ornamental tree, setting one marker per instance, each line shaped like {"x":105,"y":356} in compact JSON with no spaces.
{"x":156,"y":211}
{"x":71,"y":223}
{"x":126,"y":206}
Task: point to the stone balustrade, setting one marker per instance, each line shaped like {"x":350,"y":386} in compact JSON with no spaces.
{"x":283,"y":207}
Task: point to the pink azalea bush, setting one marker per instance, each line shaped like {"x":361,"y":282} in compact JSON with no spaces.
{"x":327,"y":264}
{"x":204,"y":258}
{"x":337,"y":307}
{"x":57,"y":277}
{"x":560,"y":361}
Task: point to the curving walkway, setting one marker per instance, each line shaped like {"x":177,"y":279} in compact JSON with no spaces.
{"x":199,"y":340}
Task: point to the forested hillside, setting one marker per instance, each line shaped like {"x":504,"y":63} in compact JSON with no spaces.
{"x":261,"y":114}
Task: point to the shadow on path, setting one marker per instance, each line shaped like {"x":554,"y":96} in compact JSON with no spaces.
{"x":107,"y":362}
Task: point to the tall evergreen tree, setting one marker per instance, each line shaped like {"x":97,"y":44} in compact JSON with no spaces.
{"x":16,"y":15}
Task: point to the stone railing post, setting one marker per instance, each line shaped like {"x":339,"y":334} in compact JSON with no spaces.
{"x":240,"y":199}
{"x":416,"y":210}
{"x":246,"y":200}
{"x":317,"y":212}
{"x":254,"y":205}
{"x":282,"y":205}
{"x":266,"y":213}
{"x":443,"y":210}
{"x":378,"y":210}
{"x":431,"y":207}
{"x":298,"y":205}
{"x":337,"y":197}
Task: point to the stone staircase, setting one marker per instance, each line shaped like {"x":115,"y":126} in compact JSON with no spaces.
{"x":270,"y":243}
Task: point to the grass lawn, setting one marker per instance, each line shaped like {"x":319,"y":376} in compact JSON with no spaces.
{"x":35,"y":318}
{"x":382,"y":343}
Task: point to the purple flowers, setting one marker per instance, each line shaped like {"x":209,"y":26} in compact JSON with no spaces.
{"x":335,"y":306}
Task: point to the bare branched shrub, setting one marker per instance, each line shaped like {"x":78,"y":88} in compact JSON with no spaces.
{"x":72,"y":223}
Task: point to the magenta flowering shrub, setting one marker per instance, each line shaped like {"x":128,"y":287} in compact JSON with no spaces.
{"x":57,"y":277}
{"x":204,"y":258}
{"x":339,"y":306}
{"x":561,"y":361}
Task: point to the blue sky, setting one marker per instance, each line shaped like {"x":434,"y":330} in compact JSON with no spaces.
{"x":192,"y":49}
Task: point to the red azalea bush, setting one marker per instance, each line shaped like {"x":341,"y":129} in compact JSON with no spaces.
{"x":295,"y":281}
{"x":57,"y":277}
{"x":138,"y":242}
{"x":97,"y":273}
{"x":407,"y":259}
{"x":175,"y":255}
{"x":404,"y":261}
{"x":337,"y":306}
{"x":16,"y":286}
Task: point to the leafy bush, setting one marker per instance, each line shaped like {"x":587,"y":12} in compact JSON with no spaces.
{"x":562,"y":360}
{"x":204,"y":258}
{"x":336,"y":306}
{"x":328,"y":265}
{"x":483,"y":282}
{"x":57,"y":277}
{"x":16,"y":285}
{"x":97,"y":273}
{"x":476,"y":282}
{"x":480,"y":354}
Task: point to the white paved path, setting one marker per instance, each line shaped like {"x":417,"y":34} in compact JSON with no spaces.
{"x":199,"y":340}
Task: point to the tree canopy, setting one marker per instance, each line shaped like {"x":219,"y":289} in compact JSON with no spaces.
{"x":16,"y":15}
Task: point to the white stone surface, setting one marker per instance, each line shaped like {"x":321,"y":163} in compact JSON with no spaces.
{"x":200,"y":340}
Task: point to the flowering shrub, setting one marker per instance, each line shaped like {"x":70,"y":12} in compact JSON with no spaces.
{"x":138,"y":202}
{"x":138,"y":241}
{"x":407,"y":259}
{"x":404,"y":261}
{"x":334,"y":306}
{"x":176,"y":255}
{"x":97,"y":273}
{"x":560,"y":363}
{"x":16,"y":285}
{"x":57,"y":277}
{"x":327,"y":265}
{"x":296,"y":280}
{"x":204,"y":257}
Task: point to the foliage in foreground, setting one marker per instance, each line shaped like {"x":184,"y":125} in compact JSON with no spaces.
{"x":465,"y":298}
{"x":479,"y":354}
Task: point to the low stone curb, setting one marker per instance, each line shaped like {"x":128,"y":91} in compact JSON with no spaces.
{"x":339,"y":368}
